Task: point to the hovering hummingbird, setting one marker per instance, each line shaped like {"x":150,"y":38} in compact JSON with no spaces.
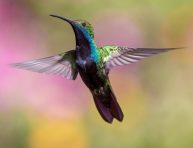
{"x":93,"y":64}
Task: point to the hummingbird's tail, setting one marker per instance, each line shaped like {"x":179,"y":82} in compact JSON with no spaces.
{"x":107,"y":104}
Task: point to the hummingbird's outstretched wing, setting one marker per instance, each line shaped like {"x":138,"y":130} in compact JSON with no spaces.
{"x":116,"y":56}
{"x":61,"y":64}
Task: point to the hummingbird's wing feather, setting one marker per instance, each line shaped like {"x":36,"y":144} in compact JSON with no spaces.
{"x":116,"y":56}
{"x":61,"y":64}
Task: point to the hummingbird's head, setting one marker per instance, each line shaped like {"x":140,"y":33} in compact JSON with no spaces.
{"x":83,"y":30}
{"x":85,"y":26}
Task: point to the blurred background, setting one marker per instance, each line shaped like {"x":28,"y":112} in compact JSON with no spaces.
{"x":156,"y":95}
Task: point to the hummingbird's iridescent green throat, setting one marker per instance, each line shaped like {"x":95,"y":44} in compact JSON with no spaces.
{"x":93,"y":64}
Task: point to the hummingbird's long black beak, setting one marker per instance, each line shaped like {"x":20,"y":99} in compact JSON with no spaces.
{"x":64,"y":18}
{"x":77,"y":32}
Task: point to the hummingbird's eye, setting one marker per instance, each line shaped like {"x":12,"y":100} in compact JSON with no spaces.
{"x":83,"y":24}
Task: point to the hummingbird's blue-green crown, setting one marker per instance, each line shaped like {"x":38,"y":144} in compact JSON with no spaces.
{"x":85,"y":26}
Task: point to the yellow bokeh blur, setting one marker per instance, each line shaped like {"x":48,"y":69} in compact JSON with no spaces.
{"x":58,"y":134}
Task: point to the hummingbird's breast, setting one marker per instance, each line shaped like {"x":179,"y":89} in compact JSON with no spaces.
{"x":89,"y":73}
{"x":88,"y":64}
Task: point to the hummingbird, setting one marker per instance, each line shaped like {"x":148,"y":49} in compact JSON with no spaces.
{"x":93,"y":64}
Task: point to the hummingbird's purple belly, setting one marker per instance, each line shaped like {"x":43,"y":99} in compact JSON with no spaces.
{"x":90,"y":76}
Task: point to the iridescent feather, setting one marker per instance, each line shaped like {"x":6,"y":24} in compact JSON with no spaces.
{"x":112,"y":56}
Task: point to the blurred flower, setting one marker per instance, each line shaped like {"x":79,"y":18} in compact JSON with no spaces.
{"x":58,"y":134}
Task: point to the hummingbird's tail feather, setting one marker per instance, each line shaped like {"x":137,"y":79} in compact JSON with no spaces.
{"x":115,"y":108}
{"x":103,"y":110}
{"x":107,"y":105}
